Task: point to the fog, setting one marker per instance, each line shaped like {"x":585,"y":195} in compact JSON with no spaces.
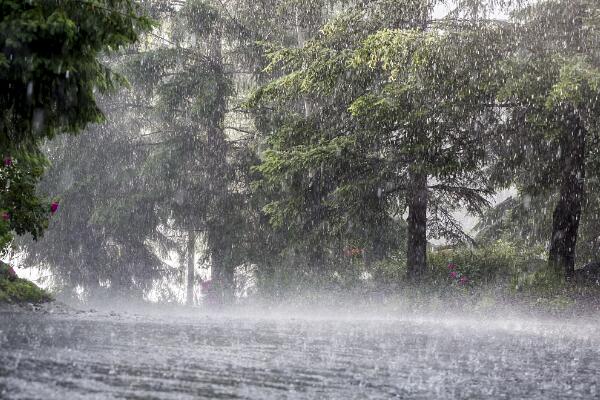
{"x":299,"y":199}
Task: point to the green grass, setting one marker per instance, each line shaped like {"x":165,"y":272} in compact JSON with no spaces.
{"x":22,"y":291}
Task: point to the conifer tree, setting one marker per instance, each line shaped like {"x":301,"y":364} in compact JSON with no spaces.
{"x":400,"y":105}
{"x":551,"y":90}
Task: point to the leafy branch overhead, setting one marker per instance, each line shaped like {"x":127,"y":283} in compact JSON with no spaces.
{"x":50,"y":68}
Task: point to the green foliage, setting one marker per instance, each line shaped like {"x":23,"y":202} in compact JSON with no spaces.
{"x":352,"y":99}
{"x":358,"y":107}
{"x":168,"y":167}
{"x":49,"y":70}
{"x":550,"y":87}
{"x":389,"y":271}
{"x":22,"y":211}
{"x":578,"y":85}
{"x":22,"y":291}
{"x":500,"y":263}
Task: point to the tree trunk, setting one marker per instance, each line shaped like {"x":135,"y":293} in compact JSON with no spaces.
{"x":416,"y":257}
{"x":219,"y":240}
{"x":376,"y":251}
{"x":567,"y":214}
{"x":191,"y":247}
{"x":222,"y":275}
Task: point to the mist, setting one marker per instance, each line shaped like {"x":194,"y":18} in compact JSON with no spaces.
{"x":299,"y":199}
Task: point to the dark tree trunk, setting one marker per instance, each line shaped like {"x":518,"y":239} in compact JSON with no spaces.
{"x":191,"y":247}
{"x":219,"y":240}
{"x":416,"y":258}
{"x":316,"y":261}
{"x":377,"y":249}
{"x":567,"y":213}
{"x":222,"y":275}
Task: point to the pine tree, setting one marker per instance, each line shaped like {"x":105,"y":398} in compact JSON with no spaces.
{"x":400,"y":108}
{"x":551,"y":90}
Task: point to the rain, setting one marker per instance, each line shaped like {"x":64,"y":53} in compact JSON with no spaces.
{"x":299,"y":199}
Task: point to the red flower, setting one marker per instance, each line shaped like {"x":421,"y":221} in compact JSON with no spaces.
{"x":453,"y":274}
{"x":8,"y":162}
{"x":451,"y":266}
{"x":54,"y":207}
{"x":6,"y":216}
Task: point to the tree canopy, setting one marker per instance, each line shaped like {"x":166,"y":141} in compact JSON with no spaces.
{"x":309,"y":141}
{"x":50,"y":72}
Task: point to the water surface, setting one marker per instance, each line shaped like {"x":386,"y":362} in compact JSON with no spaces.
{"x":92,"y":357}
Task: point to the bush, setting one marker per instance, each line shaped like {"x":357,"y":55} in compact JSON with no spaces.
{"x":498,"y":262}
{"x":22,"y":291}
{"x":388,"y":271}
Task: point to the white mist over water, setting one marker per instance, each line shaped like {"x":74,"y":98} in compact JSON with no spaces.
{"x":302,"y":356}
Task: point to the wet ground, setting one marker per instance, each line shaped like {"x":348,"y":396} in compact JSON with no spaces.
{"x":95,"y":356}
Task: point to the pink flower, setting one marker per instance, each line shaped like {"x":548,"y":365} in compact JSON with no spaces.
{"x":8,"y":162}
{"x":453,"y":274}
{"x":6,"y":216}
{"x":463,"y":280}
{"x":54,"y":207}
{"x":451,"y":266}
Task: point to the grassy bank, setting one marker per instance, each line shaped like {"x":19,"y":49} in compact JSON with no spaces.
{"x":22,"y":291}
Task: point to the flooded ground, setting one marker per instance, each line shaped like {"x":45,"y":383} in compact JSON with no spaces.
{"x":128,"y":357}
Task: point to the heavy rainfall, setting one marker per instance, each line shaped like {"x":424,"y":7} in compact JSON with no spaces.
{"x":299,"y":199}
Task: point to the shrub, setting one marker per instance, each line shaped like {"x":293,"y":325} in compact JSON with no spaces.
{"x":498,"y":262}
{"x":22,"y":291}
{"x":387,"y":271}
